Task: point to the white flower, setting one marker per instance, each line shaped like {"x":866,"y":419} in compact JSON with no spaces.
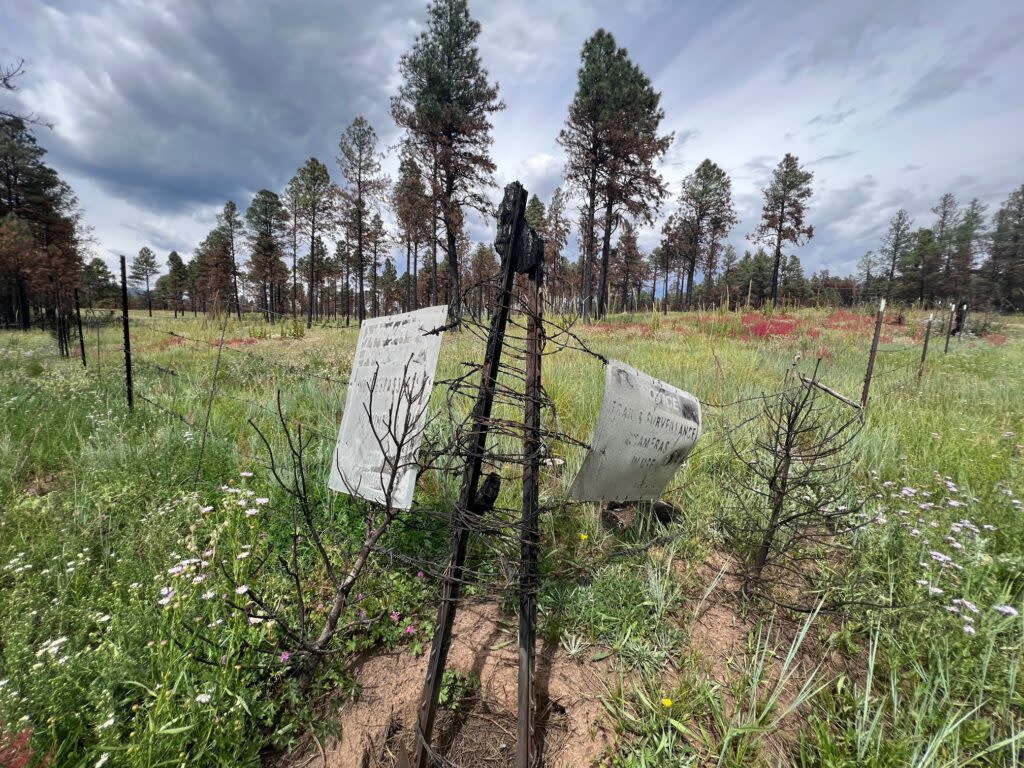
{"x":108,"y":722}
{"x":209,"y":595}
{"x":251,"y":512}
{"x":1006,"y":610}
{"x":255,"y":620}
{"x":969,"y":629}
{"x":241,"y":590}
{"x":206,"y":510}
{"x":261,"y":501}
{"x":242,"y":555}
{"x":103,"y":758}
{"x":203,"y":698}
{"x":245,"y":474}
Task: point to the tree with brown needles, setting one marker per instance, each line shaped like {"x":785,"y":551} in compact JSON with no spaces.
{"x":445,"y":103}
{"x":791,"y":504}
{"x":783,"y":217}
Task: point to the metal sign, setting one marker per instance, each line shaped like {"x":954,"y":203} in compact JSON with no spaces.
{"x":392,"y":374}
{"x":644,"y":433}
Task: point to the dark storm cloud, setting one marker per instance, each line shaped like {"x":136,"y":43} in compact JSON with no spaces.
{"x":173,"y":110}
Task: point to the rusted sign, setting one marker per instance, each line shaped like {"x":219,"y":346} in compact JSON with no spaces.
{"x":644,"y":433}
{"x":385,"y":407}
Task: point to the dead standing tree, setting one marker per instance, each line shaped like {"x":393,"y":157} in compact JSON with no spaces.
{"x":791,"y":503}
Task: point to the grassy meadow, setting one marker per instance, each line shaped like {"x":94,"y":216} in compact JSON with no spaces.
{"x":122,"y":555}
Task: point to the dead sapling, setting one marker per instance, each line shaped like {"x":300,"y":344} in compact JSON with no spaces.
{"x":319,"y":557}
{"x":791,"y":504}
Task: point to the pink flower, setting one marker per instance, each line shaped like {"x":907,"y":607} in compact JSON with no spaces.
{"x":419,"y":575}
{"x":283,"y":658}
{"x":410,"y":630}
{"x":395,"y":615}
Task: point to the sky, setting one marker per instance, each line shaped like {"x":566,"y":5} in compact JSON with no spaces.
{"x":162,"y":111}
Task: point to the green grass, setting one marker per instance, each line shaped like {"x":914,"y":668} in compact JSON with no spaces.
{"x":97,"y":505}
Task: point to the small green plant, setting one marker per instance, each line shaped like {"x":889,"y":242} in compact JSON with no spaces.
{"x":456,"y":688}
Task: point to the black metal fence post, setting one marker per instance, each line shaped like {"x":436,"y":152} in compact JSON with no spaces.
{"x":127,"y":338}
{"x":924,"y":349}
{"x":81,"y":336}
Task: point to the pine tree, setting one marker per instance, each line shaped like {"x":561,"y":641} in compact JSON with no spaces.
{"x":316,"y":198}
{"x":1004,"y":269}
{"x":707,"y":214}
{"x":445,"y":102}
{"x":947,"y":215}
{"x":535,"y":213}
{"x":229,"y":221}
{"x":412,"y":209}
{"x":177,"y":281}
{"x":612,"y":145}
{"x":144,"y":268}
{"x":894,"y":248}
{"x":360,"y":165}
{"x":266,"y":221}
{"x":784,"y":213}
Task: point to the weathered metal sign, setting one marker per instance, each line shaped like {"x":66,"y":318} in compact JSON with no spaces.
{"x":644,"y":433}
{"x":392,"y":377}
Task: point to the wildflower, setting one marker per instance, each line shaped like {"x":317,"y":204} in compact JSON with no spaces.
{"x":199,"y":579}
{"x":966,"y":604}
{"x":908,"y":492}
{"x":283,"y":658}
{"x":411,"y":629}
{"x":242,"y":555}
{"x":921,"y":582}
{"x":419,"y":574}
{"x":969,"y":629}
{"x":362,"y":613}
{"x":103,"y":759}
{"x":666,"y":702}
{"x":251,"y":512}
{"x":954,"y":503}
{"x":262,"y":500}
{"x":245,"y":474}
{"x":209,"y":595}
{"x":108,"y":722}
{"x":206,"y":510}
{"x":583,"y":537}
{"x":241,"y":590}
{"x":395,"y":615}
{"x":203,"y":698}
{"x":933,"y":590}
{"x":1006,"y":610}
{"x":255,"y":620}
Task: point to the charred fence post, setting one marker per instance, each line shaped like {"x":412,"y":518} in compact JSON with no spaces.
{"x":963,"y":322}
{"x":511,"y":232}
{"x":127,"y":338}
{"x":78,"y":319}
{"x":924,"y":349}
{"x":874,"y":351}
{"x":527,"y":749}
{"x":949,"y":327}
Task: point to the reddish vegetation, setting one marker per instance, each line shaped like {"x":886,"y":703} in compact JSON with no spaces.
{"x":996,"y":338}
{"x":16,"y":750}
{"x":764,"y":327}
{"x":246,"y":342}
{"x":824,"y":353}
{"x":845,"y":320}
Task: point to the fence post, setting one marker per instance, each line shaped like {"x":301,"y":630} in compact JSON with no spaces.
{"x":949,"y":327}
{"x":924,"y":350}
{"x":127,"y":339}
{"x":874,"y":351}
{"x":468,"y":505}
{"x":963,"y":323}
{"x":529,"y":576}
{"x":78,"y":318}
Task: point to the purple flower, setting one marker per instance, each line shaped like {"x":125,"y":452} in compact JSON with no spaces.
{"x":410,"y":630}
{"x":1006,"y":610}
{"x":419,"y":575}
{"x":283,"y":658}
{"x":395,"y":615}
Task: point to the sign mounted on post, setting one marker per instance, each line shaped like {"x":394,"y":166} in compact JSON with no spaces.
{"x":392,"y":375}
{"x":644,"y":433}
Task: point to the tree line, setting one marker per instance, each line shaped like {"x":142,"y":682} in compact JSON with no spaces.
{"x":321,"y":247}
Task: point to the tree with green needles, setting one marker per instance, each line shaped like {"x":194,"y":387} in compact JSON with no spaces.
{"x":144,"y":268}
{"x":445,"y":103}
{"x":783,"y":217}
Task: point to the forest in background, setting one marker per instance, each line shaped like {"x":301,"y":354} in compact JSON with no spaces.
{"x":362,"y":244}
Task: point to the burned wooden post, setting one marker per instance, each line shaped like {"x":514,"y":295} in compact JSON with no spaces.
{"x":527,"y":751}
{"x":78,"y":319}
{"x":127,"y":339}
{"x":874,"y":351}
{"x":949,"y":327}
{"x":511,"y":231}
{"x":924,"y":349}
{"x":963,"y":323}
